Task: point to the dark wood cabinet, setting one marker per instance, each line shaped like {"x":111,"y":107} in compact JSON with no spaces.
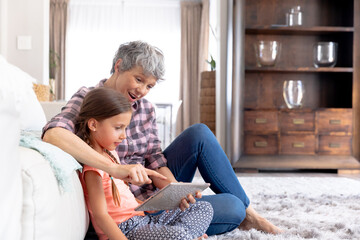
{"x":298,"y":121}
{"x":328,"y":123}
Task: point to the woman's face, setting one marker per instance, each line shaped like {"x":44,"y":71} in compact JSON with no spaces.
{"x":134,"y":84}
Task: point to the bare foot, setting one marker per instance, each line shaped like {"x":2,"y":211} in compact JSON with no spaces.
{"x":205,"y":236}
{"x":254,"y":220}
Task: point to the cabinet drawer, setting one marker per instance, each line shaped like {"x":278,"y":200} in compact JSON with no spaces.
{"x":261,"y":121}
{"x":334,"y":120}
{"x":335,"y":145}
{"x":261,"y":144}
{"x":298,"y":144}
{"x":297,"y":121}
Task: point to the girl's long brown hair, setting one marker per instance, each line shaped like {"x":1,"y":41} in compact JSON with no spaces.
{"x":101,"y":103}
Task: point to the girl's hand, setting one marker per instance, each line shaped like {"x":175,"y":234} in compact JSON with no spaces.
{"x":134,"y":173}
{"x":184,"y":204}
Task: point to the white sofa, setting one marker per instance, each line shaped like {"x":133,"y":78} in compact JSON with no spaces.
{"x":32,"y":204}
{"x":48,"y":212}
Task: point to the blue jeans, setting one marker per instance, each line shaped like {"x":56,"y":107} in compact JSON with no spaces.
{"x":197,"y":147}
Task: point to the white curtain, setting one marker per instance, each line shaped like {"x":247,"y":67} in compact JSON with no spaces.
{"x":97,"y":28}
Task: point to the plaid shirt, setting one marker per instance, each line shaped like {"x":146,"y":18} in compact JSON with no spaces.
{"x":141,"y":145}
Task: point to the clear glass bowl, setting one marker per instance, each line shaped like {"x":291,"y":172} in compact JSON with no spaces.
{"x":325,"y":54}
{"x":267,"y":53}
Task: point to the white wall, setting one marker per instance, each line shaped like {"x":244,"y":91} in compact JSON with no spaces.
{"x":3,"y":26}
{"x":26,"y":18}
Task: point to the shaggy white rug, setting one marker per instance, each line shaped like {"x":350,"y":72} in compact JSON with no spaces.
{"x":304,"y":207}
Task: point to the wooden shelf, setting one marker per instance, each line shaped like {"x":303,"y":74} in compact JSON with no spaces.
{"x":282,"y":29}
{"x":326,"y":88}
{"x":288,"y":162}
{"x":300,"y":69}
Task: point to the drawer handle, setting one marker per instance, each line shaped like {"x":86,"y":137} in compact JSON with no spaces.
{"x":334,"y":145}
{"x":298,"y":145}
{"x":335,"y":121}
{"x":260,"y":144}
{"x":298,"y":121}
{"x":260,"y":120}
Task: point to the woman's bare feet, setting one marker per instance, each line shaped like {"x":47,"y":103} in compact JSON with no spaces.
{"x":254,"y":220}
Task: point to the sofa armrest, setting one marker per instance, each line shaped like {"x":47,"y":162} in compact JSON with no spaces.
{"x":48,"y":212}
{"x":52,"y":108}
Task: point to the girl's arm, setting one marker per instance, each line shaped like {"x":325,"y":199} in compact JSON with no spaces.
{"x":98,"y":205}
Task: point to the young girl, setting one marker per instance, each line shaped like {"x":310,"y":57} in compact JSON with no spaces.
{"x":110,"y":201}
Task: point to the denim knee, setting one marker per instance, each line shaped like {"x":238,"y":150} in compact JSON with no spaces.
{"x":199,"y":134}
{"x":199,"y":130}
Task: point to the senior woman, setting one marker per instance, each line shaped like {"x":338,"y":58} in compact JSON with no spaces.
{"x":137,"y":66}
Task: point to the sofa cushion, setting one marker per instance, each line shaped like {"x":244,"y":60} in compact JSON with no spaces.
{"x":48,"y":212}
{"x":10,"y":170}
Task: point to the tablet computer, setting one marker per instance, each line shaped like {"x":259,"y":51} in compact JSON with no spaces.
{"x":170,"y":196}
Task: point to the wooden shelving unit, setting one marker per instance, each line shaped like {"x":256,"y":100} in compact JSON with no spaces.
{"x":329,"y":91}
{"x":296,"y":30}
{"x":299,"y":69}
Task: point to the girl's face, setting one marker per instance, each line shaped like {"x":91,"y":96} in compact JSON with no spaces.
{"x":110,"y":132}
{"x":133,"y":83}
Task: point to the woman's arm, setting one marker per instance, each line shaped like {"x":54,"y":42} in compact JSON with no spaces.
{"x":76,"y":147}
{"x":98,"y":205}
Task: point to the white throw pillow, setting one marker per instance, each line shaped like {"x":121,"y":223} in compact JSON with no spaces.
{"x":15,"y":81}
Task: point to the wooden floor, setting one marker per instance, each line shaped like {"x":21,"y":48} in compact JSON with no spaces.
{"x":297,"y":174}
{"x":294,"y":173}
{"x":339,"y":164}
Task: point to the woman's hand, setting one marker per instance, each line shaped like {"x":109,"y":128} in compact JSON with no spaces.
{"x":184,"y":204}
{"x":135,"y":174}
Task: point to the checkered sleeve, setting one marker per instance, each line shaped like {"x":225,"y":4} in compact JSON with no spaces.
{"x":67,"y":117}
{"x":154,"y":157}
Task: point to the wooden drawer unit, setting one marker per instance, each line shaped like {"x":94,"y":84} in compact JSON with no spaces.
{"x":335,"y":145}
{"x":298,"y":144}
{"x":261,"y":144}
{"x":324,"y":133}
{"x":334,"y":120}
{"x":297,"y":121}
{"x":261,"y":121}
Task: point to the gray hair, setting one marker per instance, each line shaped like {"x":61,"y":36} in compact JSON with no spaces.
{"x":138,"y":53}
